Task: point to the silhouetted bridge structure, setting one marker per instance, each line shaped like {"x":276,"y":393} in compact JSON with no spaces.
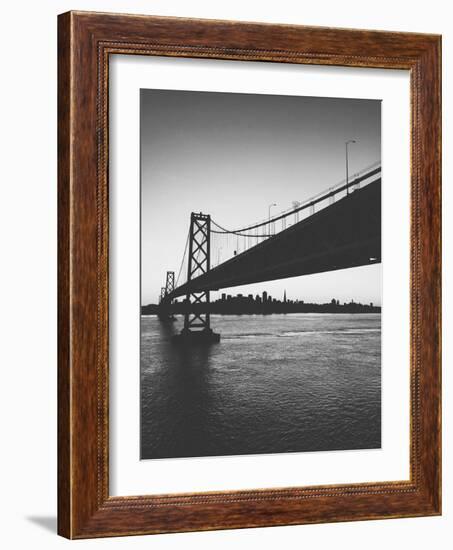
{"x":340,"y":228}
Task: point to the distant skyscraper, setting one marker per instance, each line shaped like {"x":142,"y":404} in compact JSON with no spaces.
{"x":264,"y":297}
{"x":284,"y":297}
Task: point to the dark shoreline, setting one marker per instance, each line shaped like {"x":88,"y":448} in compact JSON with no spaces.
{"x":180,"y":309}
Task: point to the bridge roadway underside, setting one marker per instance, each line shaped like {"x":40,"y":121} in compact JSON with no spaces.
{"x":342,"y":235}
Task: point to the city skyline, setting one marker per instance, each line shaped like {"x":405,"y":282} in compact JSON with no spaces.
{"x":266,"y":296}
{"x":264,"y":304}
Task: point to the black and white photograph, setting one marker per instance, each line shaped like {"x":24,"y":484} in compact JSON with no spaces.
{"x":261,"y":274}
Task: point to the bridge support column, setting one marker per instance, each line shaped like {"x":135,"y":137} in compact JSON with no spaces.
{"x":164,"y":309}
{"x":197,"y":323}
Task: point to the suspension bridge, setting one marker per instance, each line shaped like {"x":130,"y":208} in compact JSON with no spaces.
{"x":336,"y":229}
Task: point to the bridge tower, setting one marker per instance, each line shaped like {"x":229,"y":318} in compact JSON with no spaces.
{"x":197,"y":323}
{"x":164,"y":312}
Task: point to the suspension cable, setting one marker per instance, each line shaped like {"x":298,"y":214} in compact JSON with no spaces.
{"x":238,"y":232}
{"x":310,"y":202}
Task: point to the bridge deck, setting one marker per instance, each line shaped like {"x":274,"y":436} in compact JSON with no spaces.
{"x":342,"y":235}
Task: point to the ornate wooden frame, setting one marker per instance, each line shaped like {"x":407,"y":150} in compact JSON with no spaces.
{"x":85,"y":42}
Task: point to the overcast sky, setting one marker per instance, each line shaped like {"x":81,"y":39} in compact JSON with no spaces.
{"x":231,"y":155}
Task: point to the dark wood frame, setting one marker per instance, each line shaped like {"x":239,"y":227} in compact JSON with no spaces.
{"x":85,"y":42}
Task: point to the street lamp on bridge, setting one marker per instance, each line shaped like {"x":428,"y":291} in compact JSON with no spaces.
{"x":347,"y":163}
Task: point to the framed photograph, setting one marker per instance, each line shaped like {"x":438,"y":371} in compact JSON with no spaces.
{"x":249,"y":275}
